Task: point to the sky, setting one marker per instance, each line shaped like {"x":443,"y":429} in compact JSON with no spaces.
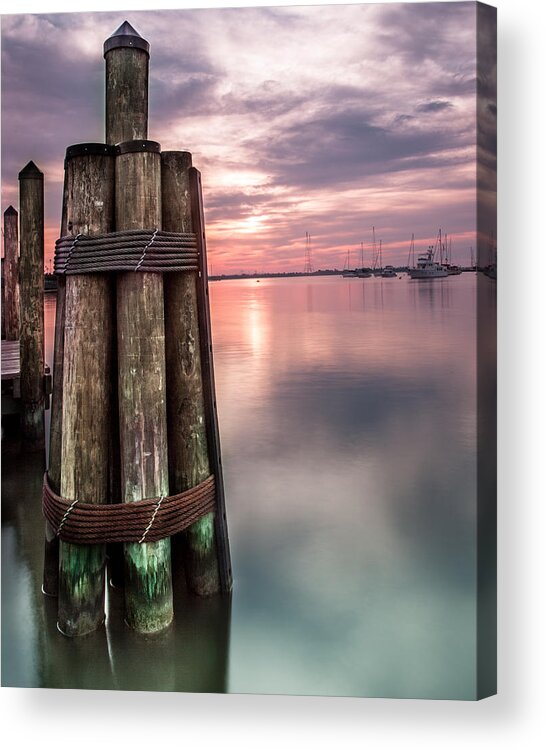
{"x":327,"y":119}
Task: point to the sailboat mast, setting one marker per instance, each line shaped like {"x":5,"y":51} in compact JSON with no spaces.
{"x":411,"y":254}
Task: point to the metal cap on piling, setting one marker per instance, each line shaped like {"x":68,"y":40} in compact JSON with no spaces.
{"x":31,"y":172}
{"x":126,"y":36}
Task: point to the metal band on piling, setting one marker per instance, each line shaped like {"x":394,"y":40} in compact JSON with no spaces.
{"x":89,"y":149}
{"x":137,"y":147}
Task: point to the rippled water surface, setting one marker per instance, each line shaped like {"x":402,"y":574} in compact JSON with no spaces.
{"x":348,"y":423}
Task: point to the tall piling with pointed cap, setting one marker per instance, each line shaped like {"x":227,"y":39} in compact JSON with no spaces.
{"x":31,"y":272}
{"x":127,"y":60}
{"x":11,"y":274}
{"x":86,"y":413}
{"x":140,"y":327}
{"x":126,"y":56}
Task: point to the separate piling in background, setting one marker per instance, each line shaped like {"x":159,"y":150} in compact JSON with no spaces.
{"x":50,"y":585}
{"x":86,"y":413}
{"x":142,"y":399}
{"x":11,"y":274}
{"x":188,"y":449}
{"x":31,"y":273}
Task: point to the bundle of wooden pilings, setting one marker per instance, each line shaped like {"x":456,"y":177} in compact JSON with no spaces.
{"x":134,"y":410}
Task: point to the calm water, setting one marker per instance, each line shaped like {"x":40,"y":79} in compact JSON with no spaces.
{"x":348,"y":423}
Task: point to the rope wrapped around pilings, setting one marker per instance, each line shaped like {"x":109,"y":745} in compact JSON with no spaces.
{"x":149,"y":250}
{"x":140,"y":521}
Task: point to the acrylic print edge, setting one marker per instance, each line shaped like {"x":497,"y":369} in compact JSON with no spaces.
{"x":486,"y":323}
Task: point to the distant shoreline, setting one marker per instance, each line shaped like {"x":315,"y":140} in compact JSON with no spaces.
{"x":50,"y":280}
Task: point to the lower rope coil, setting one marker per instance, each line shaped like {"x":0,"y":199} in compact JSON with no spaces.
{"x":142,"y":521}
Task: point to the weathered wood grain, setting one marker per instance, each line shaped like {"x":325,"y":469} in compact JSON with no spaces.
{"x":188,"y":450}
{"x":31,"y":273}
{"x":126,"y":118}
{"x":50,"y":584}
{"x":141,"y":393}
{"x":209,"y":388}
{"x":126,"y":94}
{"x":11,"y":274}
{"x":86,"y":413}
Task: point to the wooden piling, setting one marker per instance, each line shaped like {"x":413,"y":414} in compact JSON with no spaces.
{"x":126,"y":56}
{"x":209,"y":388}
{"x":86,"y":411}
{"x":188,"y":450}
{"x":50,"y":584}
{"x":141,"y":393}
{"x":127,"y":60}
{"x":11,"y":274}
{"x":31,"y":263}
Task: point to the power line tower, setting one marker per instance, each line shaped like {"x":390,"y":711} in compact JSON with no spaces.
{"x":308,"y":268}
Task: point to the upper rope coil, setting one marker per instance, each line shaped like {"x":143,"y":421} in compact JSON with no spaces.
{"x":149,"y":250}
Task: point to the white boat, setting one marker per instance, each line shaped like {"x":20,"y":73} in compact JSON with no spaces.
{"x":377,"y":269}
{"x":356,"y":273}
{"x":427,"y":268}
{"x":451,"y":268}
{"x":348,"y":272}
{"x":388,"y":272}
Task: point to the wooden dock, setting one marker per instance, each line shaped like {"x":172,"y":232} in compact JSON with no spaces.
{"x":11,"y":379}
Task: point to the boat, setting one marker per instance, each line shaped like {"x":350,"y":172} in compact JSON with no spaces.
{"x":491,"y":271}
{"x":50,"y":282}
{"x":377,"y":260}
{"x":388,"y":272}
{"x":363,"y":272}
{"x":452,"y":270}
{"x":347,"y":272}
{"x":427,"y":268}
